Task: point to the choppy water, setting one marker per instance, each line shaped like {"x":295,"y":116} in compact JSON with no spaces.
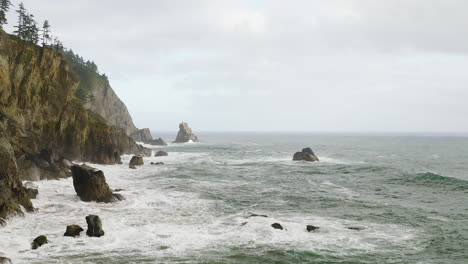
{"x":409,"y":193}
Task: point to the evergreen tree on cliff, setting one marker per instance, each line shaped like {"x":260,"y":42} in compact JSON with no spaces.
{"x":46,"y":39}
{"x":4,"y":7}
{"x":20,"y":28}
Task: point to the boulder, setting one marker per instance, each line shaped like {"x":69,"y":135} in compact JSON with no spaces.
{"x":94,"y":226}
{"x":136,"y":161}
{"x":311,"y":228}
{"x":277,"y":226}
{"x":157,"y":142}
{"x":39,"y":241}
{"x":73,"y":231}
{"x":306,"y":154}
{"x":161,"y":154}
{"x":90,"y":185}
{"x":185,"y":134}
{"x":4,"y":260}
{"x":32,"y":193}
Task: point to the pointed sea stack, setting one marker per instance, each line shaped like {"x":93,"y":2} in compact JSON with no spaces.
{"x":185,"y":134}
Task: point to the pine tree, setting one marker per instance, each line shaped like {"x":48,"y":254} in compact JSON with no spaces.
{"x":46,"y":33}
{"x":20,"y":28}
{"x":4,"y":7}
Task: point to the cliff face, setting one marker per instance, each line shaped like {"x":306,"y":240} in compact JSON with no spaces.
{"x":40,"y":111}
{"x":108,"y":105}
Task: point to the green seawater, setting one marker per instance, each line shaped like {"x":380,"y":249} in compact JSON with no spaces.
{"x":408,"y":194}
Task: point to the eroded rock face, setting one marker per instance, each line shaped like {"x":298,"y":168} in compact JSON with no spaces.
{"x":185,"y":134}
{"x":90,"y":185}
{"x":39,"y":241}
{"x":73,"y":231}
{"x":142,"y":135}
{"x":94,"y":226}
{"x":161,"y":154}
{"x":306,"y":154}
{"x":41,"y":166}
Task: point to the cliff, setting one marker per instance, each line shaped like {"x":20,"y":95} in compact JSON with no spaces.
{"x":40,"y":113}
{"x":96,"y":93}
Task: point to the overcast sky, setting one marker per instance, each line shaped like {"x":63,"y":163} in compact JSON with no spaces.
{"x":279,"y":65}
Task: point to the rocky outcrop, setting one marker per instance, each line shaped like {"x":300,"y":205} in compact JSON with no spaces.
{"x":144,"y":135}
{"x":4,"y":260}
{"x":90,"y":185}
{"x":306,"y":154}
{"x":41,"y":166}
{"x":161,"y":154}
{"x":94,"y":226}
{"x":73,"y":231}
{"x":39,"y":111}
{"x":39,"y":241}
{"x":185,"y":134}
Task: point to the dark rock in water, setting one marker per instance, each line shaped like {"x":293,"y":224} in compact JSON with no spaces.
{"x":142,"y":135}
{"x":4,"y":260}
{"x":118,"y":190}
{"x":94,"y":226}
{"x":39,"y":241}
{"x":32,"y":193}
{"x":90,"y":185}
{"x":306,"y":154}
{"x":157,"y":142}
{"x":356,"y":228}
{"x":311,"y":228}
{"x":257,"y":215}
{"x":73,"y":231}
{"x":185,"y":134}
{"x":161,"y":154}
{"x":136,"y":161}
{"x":131,"y":166}
{"x":157,"y":163}
{"x":277,"y":226}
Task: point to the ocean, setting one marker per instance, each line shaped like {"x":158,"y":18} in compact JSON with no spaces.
{"x":375,"y":199}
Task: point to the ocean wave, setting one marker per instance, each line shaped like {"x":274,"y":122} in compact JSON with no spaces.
{"x":436,"y":180}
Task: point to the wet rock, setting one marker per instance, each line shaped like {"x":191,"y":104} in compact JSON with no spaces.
{"x":118,"y":190}
{"x":311,"y":228}
{"x":277,"y":226}
{"x":257,"y":215}
{"x":4,"y":260}
{"x":356,"y":228}
{"x":161,"y":154}
{"x":73,"y":231}
{"x":32,"y":193}
{"x":185,"y":134}
{"x":90,"y":185}
{"x":136,"y":161}
{"x":39,"y":241}
{"x":94,"y":226}
{"x":66,"y":163}
{"x":157,"y":163}
{"x":306,"y":154}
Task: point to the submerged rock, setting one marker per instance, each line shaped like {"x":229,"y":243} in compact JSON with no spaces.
{"x":185,"y":134}
{"x":157,"y":163}
{"x":257,"y":215}
{"x":90,"y":185}
{"x":306,"y":154}
{"x":39,"y":241}
{"x":73,"y":231}
{"x":4,"y":260}
{"x":277,"y":226}
{"x":161,"y":154}
{"x":311,"y":228}
{"x":136,"y":161}
{"x":94,"y":226}
{"x":356,"y":228}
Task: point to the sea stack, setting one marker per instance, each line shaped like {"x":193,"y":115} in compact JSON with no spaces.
{"x":90,"y":185}
{"x":306,"y":154}
{"x":185,"y":134}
